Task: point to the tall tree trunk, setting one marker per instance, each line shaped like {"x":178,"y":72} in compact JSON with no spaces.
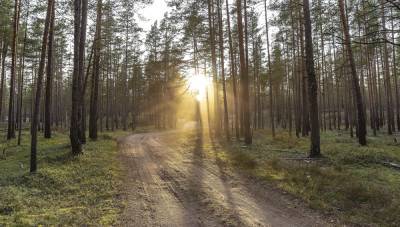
{"x":312,"y":83}
{"x":21,"y":80}
{"x":396,"y":87}
{"x":82,"y":41}
{"x":3,"y":74}
{"x":362,"y":131}
{"x":271,"y":100}
{"x":35,"y":118}
{"x":213,"y":62}
{"x":11,"y":116}
{"x":49,"y":79}
{"x":303,"y":81}
{"x":96,"y":74}
{"x":244,"y":77}
{"x":222,"y":59}
{"x":389,"y":97}
{"x":76,"y":144}
{"x":233,"y":73}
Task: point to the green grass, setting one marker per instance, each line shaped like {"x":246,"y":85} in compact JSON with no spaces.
{"x":67,"y":190}
{"x":350,"y":182}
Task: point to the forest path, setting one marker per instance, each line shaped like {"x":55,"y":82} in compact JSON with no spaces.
{"x":165,"y":187}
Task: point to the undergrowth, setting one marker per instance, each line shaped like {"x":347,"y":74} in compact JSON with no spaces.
{"x":66,"y":190}
{"x":350,"y":182}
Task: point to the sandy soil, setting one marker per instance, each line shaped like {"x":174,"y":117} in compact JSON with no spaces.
{"x":164,"y":187}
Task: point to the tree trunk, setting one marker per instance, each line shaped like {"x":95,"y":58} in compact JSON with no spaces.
{"x":21,"y":80}
{"x":362,"y":131}
{"x":96,"y":74}
{"x":233,"y":73}
{"x":312,"y":83}
{"x":244,"y":77}
{"x":213,"y":63}
{"x":396,"y":87}
{"x":76,"y":144}
{"x":35,"y":118}
{"x":303,"y":81}
{"x":222,"y":59}
{"x":388,"y":90}
{"x":11,"y":116}
{"x":49,"y":79}
{"x":82,"y":42}
{"x":3,"y":74}
{"x":271,"y":102}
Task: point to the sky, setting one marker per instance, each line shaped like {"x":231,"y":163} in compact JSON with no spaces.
{"x":156,"y":11}
{"x":152,"y":13}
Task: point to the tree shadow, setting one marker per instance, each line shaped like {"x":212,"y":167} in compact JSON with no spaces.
{"x":224,"y":176}
{"x":198,"y":152}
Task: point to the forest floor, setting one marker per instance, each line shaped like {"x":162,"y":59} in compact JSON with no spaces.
{"x":186,"y":178}
{"x":184,"y":185}
{"x":66,"y":190}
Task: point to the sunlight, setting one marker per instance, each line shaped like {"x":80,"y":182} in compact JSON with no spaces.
{"x":198,"y":86}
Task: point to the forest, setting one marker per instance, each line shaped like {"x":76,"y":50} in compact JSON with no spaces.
{"x":199,"y":113}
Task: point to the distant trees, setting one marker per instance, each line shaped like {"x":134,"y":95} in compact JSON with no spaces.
{"x":303,"y":71}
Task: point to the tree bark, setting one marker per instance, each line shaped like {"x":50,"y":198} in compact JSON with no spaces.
{"x":244,"y":77}
{"x":76,"y":144}
{"x":213,"y":63}
{"x":388,"y":90}
{"x":21,"y":80}
{"x":95,"y":76}
{"x":271,"y":100}
{"x":362,"y":131}
{"x":312,"y":83}
{"x":221,"y":52}
{"x":3,"y":74}
{"x":233,"y":73}
{"x":82,"y":41}
{"x":49,"y":79}
{"x":11,"y":116}
{"x":35,"y":118}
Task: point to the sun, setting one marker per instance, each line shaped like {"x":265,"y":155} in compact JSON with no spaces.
{"x":198,"y":86}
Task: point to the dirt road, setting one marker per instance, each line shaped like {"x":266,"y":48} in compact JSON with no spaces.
{"x":165,"y":187}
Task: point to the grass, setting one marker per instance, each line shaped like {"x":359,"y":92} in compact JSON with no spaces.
{"x":350,"y":182}
{"x":67,"y":190}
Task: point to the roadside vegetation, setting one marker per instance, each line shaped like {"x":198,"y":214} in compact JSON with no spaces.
{"x":68,"y":190}
{"x":351,"y":182}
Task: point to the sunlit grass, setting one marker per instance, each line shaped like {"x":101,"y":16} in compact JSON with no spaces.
{"x":66,"y":190}
{"x":350,"y":182}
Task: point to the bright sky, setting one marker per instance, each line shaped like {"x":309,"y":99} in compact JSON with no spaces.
{"x":152,"y":13}
{"x":156,"y":11}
